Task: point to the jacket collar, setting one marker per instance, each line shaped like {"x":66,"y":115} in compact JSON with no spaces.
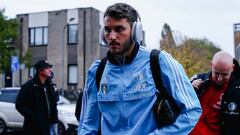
{"x":208,"y":79}
{"x":128,"y":59}
{"x":236,"y":70}
{"x":37,"y":81}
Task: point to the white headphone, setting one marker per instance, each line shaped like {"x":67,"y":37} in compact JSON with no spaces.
{"x":136,"y":33}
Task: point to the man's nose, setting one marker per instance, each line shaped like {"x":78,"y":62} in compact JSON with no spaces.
{"x":112,"y":35}
{"x":219,"y":78}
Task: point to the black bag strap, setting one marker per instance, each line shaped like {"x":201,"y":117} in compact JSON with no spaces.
{"x":156,"y":72}
{"x":99,"y":71}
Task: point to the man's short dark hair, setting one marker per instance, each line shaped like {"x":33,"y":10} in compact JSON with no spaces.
{"x":122,"y":10}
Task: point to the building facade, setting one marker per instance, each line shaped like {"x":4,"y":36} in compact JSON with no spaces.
{"x":68,"y":39}
{"x":236,"y":30}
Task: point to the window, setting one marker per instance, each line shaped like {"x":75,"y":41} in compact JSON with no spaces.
{"x":72,"y":74}
{"x":8,"y":96}
{"x":38,"y":36}
{"x":32,"y":36}
{"x":31,"y":72}
{"x":72,"y":33}
{"x":45,"y":36}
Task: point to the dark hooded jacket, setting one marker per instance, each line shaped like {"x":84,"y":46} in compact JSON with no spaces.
{"x":32,"y":104}
{"x":230,"y":104}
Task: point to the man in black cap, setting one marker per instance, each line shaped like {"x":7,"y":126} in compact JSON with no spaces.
{"x":37,"y":102}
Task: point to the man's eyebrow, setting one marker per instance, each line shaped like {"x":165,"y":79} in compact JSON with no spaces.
{"x":121,"y":26}
{"x":114,"y":26}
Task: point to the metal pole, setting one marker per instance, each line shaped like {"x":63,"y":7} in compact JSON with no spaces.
{"x":62,"y":90}
{"x":84,"y":45}
{"x":20,"y":53}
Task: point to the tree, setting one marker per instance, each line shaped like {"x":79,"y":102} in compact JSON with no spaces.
{"x":8,"y":36}
{"x":26,"y":58}
{"x":194,"y":54}
{"x":167,"y":37}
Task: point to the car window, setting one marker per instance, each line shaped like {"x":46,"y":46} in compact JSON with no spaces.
{"x":8,"y":96}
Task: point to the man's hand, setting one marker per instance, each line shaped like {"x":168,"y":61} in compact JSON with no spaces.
{"x":197,"y":83}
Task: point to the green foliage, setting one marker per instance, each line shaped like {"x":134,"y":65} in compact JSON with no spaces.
{"x":167,"y":36}
{"x":194,"y":54}
{"x":26,"y":59}
{"x":8,"y":35}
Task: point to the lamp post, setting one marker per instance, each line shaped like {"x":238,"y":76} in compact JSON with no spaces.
{"x":65,"y":26}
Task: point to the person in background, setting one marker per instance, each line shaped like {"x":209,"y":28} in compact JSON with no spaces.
{"x":123,"y":102}
{"x":219,"y":94}
{"x":37,"y":102}
{"x":78,"y":105}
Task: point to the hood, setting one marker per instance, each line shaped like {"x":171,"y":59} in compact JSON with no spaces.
{"x":236,"y":70}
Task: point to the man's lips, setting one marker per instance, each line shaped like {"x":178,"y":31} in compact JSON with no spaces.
{"x":113,"y":44}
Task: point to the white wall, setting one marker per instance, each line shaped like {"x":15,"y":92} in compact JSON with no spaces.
{"x":38,"y":19}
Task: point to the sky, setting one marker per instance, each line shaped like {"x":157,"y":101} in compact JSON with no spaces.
{"x":211,"y":19}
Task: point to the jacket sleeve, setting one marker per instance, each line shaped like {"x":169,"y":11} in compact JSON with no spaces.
{"x":90,"y":114}
{"x":23,"y":102}
{"x":54,"y":100}
{"x":194,"y":77}
{"x":178,"y":85}
{"x":202,"y":76}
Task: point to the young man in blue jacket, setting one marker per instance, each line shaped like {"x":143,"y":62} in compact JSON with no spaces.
{"x":123,"y":102}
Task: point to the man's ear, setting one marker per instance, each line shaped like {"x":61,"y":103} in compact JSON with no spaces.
{"x":210,"y":64}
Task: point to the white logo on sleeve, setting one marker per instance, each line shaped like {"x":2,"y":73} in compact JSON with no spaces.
{"x":232,"y":106}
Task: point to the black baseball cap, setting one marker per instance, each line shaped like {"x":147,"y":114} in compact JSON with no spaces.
{"x":41,"y":64}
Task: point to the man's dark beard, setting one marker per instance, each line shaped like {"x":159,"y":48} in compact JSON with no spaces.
{"x":218,"y":86}
{"x":127,"y":45}
{"x":122,"y":55}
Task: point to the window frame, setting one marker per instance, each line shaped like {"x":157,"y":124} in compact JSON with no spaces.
{"x":44,"y":40}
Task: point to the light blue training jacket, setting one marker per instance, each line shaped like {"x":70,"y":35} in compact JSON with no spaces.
{"x":123,"y":104}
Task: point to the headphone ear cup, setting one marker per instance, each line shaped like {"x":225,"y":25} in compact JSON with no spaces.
{"x":102,"y":39}
{"x":137,"y":32}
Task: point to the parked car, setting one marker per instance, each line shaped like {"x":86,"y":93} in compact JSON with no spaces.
{"x":11,"y":119}
{"x":68,"y":123}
